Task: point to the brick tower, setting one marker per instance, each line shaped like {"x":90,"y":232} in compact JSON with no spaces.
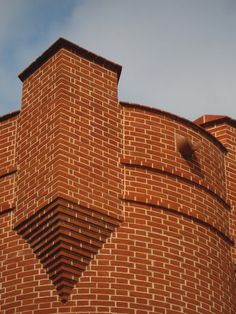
{"x":112,"y":207}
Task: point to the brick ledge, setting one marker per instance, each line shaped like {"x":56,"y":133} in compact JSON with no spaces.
{"x":173,"y":209}
{"x":7,"y":171}
{"x":172,"y":116}
{"x":6,"y":208}
{"x":158,"y":167}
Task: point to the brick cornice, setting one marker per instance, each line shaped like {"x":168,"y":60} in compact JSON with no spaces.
{"x":184,"y":121}
{"x":66,"y":44}
{"x":9,"y":115}
{"x":209,"y":121}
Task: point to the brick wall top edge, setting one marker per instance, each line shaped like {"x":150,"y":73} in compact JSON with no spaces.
{"x":184,"y":121}
{"x":9,"y":115}
{"x":64,"y":43}
{"x":217,"y":121}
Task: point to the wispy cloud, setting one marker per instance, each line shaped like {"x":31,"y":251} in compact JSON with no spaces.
{"x":176,"y":55}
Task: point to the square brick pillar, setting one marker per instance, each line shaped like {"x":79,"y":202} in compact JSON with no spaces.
{"x":68,"y":149}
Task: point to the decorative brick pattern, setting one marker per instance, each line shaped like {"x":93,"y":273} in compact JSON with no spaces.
{"x":101,"y":211}
{"x":65,"y":237}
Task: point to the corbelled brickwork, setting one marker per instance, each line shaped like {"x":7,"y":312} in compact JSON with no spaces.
{"x":112,"y":207}
{"x":65,"y":238}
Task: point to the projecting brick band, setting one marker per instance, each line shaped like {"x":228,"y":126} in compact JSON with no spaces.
{"x":137,"y":200}
{"x":175,"y":174}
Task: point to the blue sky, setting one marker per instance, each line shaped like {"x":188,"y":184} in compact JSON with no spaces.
{"x":177,"y":55}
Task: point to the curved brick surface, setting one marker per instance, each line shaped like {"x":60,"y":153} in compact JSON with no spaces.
{"x":162,"y":263}
{"x":101,"y":211}
{"x":151,"y":136}
{"x":158,"y":189}
{"x":157,"y":262}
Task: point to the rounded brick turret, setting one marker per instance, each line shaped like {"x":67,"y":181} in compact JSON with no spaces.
{"x":108,"y":206}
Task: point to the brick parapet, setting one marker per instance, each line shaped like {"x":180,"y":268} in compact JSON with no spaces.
{"x":198,"y":127}
{"x":150,"y":136}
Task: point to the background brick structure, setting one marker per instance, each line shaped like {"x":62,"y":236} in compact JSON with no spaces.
{"x":100,"y":209}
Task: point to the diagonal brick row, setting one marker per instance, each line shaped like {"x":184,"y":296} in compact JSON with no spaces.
{"x":65,"y":237}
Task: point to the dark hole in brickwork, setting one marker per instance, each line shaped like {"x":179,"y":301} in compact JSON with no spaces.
{"x":188,"y":151}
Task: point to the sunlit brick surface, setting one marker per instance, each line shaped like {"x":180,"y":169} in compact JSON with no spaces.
{"x":100,"y":212}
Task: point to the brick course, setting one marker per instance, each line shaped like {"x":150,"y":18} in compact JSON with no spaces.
{"x":100,"y":212}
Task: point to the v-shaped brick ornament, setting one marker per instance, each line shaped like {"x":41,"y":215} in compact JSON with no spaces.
{"x":65,"y":237}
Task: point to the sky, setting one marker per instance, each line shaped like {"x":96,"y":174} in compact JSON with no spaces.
{"x":176,"y":55}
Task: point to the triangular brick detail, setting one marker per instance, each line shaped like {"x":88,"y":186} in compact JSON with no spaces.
{"x":65,"y":237}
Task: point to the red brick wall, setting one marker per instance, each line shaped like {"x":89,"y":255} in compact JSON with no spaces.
{"x":69,"y":136}
{"x":150,"y":136}
{"x":159,"y":262}
{"x":108,"y":216}
{"x":37,"y":140}
{"x":90,"y":135}
{"x":155,"y":171}
{"x":8,"y":128}
{"x":225,"y":130}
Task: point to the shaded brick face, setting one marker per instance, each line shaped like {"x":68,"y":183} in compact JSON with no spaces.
{"x":8,"y":129}
{"x":37,"y":139}
{"x":100,"y":212}
{"x":69,"y":136}
{"x":226,"y":133}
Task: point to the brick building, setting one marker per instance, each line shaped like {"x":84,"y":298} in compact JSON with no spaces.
{"x":112,"y":207}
